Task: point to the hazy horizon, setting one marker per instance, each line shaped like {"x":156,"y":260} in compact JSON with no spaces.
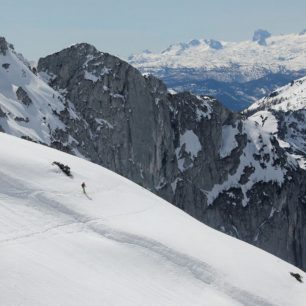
{"x":38,"y":28}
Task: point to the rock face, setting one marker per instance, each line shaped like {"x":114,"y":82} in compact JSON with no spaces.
{"x":3,"y":46}
{"x":220,"y":167}
{"x":2,"y":113}
{"x":260,"y":37}
{"x":23,"y":96}
{"x":123,"y":121}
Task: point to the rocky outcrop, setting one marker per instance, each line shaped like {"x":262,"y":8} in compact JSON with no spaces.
{"x":218,"y":166}
{"x":23,"y":96}
{"x":121,"y":125}
{"x":3,"y":46}
{"x":6,"y":66}
{"x":2,"y":113}
{"x":260,"y":37}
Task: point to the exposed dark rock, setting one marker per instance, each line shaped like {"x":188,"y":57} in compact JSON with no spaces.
{"x":3,"y":46}
{"x":23,"y":96}
{"x":28,"y":139}
{"x":34,"y":70}
{"x":214,"y":44}
{"x":260,"y":37}
{"x":2,"y":113}
{"x":247,"y":171}
{"x":64,"y":168}
{"x":297,"y":276}
{"x":6,"y":66}
{"x":273,"y":94}
{"x":21,"y":119}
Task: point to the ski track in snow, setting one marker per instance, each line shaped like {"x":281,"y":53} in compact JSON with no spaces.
{"x":57,"y":243}
{"x":198,"y":269}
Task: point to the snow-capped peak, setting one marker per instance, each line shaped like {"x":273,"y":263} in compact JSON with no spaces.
{"x":252,"y":58}
{"x":179,"y":48}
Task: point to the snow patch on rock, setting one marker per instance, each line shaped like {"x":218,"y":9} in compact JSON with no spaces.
{"x":259,"y":155}
{"x":190,"y":144}
{"x":229,"y":142}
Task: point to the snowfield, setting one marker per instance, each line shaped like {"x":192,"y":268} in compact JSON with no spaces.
{"x":119,"y":244}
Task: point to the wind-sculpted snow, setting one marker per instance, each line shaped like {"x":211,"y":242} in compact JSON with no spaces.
{"x":125,"y":246}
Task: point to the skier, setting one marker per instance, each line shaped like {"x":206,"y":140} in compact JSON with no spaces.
{"x":83,"y":187}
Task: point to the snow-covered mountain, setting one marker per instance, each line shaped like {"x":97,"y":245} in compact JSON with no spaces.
{"x":222,"y":168}
{"x":289,"y":98}
{"x":29,"y":107}
{"x":234,"y":72}
{"x":118,"y":244}
{"x":283,"y":113}
{"x":252,"y":59}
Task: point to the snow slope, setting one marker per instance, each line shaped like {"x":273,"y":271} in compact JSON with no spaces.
{"x":39,"y":117}
{"x":291,"y":97}
{"x":279,"y":117}
{"x":283,"y":114}
{"x":119,"y":245}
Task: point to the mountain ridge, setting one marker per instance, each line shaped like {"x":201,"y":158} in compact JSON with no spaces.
{"x":293,"y":42}
{"x":210,"y":162}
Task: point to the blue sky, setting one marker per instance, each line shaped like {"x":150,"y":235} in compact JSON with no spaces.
{"x":122,"y":27}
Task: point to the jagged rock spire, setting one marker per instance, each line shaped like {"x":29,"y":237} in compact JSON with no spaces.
{"x":3,"y":45}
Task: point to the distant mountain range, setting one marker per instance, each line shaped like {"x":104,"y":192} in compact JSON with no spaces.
{"x":237,"y":73}
{"x":243,"y":174}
